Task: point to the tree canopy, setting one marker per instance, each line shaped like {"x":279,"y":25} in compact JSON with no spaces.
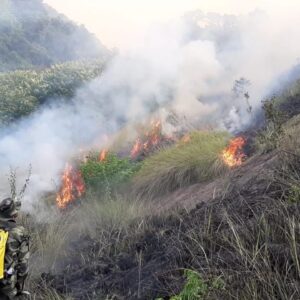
{"x":22,"y":92}
{"x":34,"y":35}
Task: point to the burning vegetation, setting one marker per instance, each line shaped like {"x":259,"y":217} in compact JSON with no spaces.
{"x":150,"y":140}
{"x":194,"y":155}
{"x":193,"y":167}
{"x":103,"y":155}
{"x":72,"y":187}
{"x":185,"y":163}
{"x":233,"y":155}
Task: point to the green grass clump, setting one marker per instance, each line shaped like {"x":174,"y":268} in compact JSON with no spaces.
{"x":183,"y":164}
{"x":196,"y":288}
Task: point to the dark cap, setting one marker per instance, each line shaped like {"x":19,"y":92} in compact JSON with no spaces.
{"x":9,"y":208}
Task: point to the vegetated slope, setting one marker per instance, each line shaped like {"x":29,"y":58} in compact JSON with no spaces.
{"x":246,"y":235}
{"x":34,"y":35}
{"x":22,"y":92}
{"x":187,"y":162}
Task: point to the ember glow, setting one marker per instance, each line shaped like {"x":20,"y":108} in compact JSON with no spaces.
{"x":103,"y":155}
{"x":72,"y":187}
{"x":233,"y":155}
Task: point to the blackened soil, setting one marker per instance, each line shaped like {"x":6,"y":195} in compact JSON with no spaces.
{"x":150,"y":263}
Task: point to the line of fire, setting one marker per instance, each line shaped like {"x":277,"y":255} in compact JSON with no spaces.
{"x":72,"y":186}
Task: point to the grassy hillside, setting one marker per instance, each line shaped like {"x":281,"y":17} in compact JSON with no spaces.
{"x":243,"y":243}
{"x":239,"y":240}
{"x":34,"y":35}
{"x":198,"y":159}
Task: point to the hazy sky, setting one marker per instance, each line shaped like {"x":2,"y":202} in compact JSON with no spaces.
{"x":117,"y":22}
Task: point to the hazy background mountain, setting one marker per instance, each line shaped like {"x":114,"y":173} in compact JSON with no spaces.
{"x":34,"y":35}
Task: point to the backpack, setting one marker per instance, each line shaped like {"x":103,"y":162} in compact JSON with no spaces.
{"x":3,"y":241}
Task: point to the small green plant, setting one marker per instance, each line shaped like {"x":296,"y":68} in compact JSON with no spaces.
{"x":294,"y":195}
{"x":109,"y":173}
{"x":196,"y":288}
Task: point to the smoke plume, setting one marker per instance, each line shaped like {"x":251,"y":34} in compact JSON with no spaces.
{"x":189,"y":66}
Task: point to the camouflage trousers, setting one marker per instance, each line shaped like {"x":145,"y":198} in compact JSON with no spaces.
{"x":8,"y":288}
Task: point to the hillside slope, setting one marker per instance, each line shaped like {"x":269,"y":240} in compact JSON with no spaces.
{"x":34,"y":35}
{"x":241,"y":231}
{"x":170,"y":244}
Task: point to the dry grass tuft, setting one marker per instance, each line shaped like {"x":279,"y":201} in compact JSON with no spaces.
{"x":52,"y":241}
{"x":290,"y":138}
{"x":183,"y":164}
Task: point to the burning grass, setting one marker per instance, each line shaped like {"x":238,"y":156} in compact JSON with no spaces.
{"x":73,"y":187}
{"x":198,"y":159}
{"x":248,"y":237}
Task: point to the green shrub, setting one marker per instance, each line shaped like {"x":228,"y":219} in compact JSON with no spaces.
{"x":196,"y":288}
{"x":34,"y":36}
{"x":110,"y":173}
{"x":183,"y":164}
{"x":294,"y":194}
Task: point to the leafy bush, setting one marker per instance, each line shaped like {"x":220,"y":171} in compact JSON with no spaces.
{"x":110,"y":173}
{"x":34,"y":35}
{"x":183,"y":164}
{"x":196,"y":288}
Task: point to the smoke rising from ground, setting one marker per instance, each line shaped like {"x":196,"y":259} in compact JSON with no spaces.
{"x":189,"y":66}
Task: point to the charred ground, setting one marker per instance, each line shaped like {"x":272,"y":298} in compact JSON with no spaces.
{"x":242,"y":229}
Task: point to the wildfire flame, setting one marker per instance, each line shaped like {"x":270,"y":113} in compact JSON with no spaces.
{"x":136,"y":149}
{"x":186,"y":139}
{"x":233,"y":155}
{"x":103,"y":155}
{"x":151,"y":138}
{"x":72,"y":187}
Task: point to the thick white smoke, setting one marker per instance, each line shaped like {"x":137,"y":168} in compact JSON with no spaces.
{"x":189,"y":66}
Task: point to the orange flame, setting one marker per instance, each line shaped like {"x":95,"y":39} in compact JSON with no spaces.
{"x":103,"y":155}
{"x":150,"y":139}
{"x":186,"y":139}
{"x":137,"y":148}
{"x":233,"y":155}
{"x":72,"y":187}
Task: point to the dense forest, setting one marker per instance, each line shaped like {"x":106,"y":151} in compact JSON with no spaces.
{"x":24,"y":91}
{"x":34,"y":35}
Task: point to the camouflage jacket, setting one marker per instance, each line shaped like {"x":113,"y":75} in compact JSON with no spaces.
{"x":16,"y":259}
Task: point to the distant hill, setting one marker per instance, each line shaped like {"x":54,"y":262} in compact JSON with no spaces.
{"x":34,"y":35}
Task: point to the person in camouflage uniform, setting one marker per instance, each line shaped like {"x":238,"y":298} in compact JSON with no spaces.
{"x":16,"y":253}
